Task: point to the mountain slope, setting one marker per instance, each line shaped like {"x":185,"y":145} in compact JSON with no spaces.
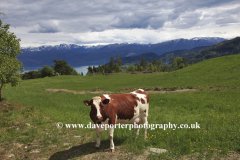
{"x":166,"y":58}
{"x":82,"y":55}
{"x":224,"y":48}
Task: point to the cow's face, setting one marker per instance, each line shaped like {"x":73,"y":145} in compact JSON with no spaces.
{"x":96,"y":107}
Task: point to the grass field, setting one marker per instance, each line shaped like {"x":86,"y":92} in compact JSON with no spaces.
{"x":33,"y":113}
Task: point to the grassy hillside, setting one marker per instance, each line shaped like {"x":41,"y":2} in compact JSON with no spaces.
{"x":217,"y":112}
{"x":166,"y":57}
{"x":224,"y":48}
{"x":222,"y":71}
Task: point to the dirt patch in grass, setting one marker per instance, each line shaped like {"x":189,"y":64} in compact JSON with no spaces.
{"x":148,"y":90}
{"x":159,"y":90}
{"x":75,"y":92}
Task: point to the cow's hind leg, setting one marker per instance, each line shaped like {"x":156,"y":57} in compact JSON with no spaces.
{"x":145,"y":125}
{"x":137,"y":121}
{"x":145,"y":122}
{"x":137,"y":131}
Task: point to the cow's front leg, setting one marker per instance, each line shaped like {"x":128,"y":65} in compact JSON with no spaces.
{"x":110,"y":135}
{"x":98,"y":139}
{"x":99,"y":130}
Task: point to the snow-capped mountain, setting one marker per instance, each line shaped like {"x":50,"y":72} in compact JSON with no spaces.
{"x":77,"y":55}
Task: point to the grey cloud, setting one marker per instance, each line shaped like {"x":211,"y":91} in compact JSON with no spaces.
{"x":130,"y":21}
{"x":226,"y":20}
{"x":186,"y":21}
{"x":45,"y":28}
{"x":83,"y":16}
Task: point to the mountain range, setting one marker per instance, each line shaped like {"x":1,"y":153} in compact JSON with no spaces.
{"x":77,"y":55}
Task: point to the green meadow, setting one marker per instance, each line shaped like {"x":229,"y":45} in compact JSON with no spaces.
{"x":215,"y":106}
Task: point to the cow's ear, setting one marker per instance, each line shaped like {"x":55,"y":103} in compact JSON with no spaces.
{"x":86,"y":102}
{"x":105,"y":101}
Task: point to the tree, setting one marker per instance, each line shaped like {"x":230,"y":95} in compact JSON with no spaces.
{"x":118,"y":67}
{"x":119,"y":62}
{"x":164,"y":68}
{"x":178,"y":63}
{"x":105,"y":68}
{"x":100,"y":69}
{"x":131,"y":68}
{"x":74,"y":72}
{"x":150,"y":67}
{"x":139,"y":67}
{"x":160,"y":62}
{"x":30,"y":75}
{"x":143,"y":64}
{"x":155,"y":62}
{"x":94,"y":69}
{"x":46,"y":71}
{"x":63,"y":68}
{"x":111,"y":64}
{"x":90,"y":70}
{"x":9,"y":64}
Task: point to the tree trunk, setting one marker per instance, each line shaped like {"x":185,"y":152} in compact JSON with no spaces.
{"x":1,"y":91}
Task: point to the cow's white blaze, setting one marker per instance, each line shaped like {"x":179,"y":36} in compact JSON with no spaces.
{"x":96,"y":102}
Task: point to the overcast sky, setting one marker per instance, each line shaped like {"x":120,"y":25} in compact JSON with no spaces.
{"x":92,"y":22}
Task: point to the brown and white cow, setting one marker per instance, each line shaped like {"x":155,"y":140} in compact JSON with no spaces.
{"x":131,"y":108}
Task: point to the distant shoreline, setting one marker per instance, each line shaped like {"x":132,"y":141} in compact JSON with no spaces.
{"x":79,"y":69}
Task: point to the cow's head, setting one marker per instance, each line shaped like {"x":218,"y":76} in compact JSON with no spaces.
{"x":97,"y":106}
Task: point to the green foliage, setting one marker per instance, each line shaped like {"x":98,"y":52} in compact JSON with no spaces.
{"x":150,"y":67}
{"x":111,"y":68}
{"x":119,"y":62}
{"x":143,"y":64}
{"x":62,"y":68}
{"x":178,"y":63}
{"x":164,"y":68}
{"x":154,"y":66}
{"x":74,"y":72}
{"x":94,"y":69}
{"x":155,"y":62}
{"x":30,"y":75}
{"x":9,"y":64}
{"x":160,"y":62}
{"x":46,"y":71}
{"x":131,"y":68}
{"x":111,"y":64}
{"x":90,"y":70}
{"x":139,"y":67}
